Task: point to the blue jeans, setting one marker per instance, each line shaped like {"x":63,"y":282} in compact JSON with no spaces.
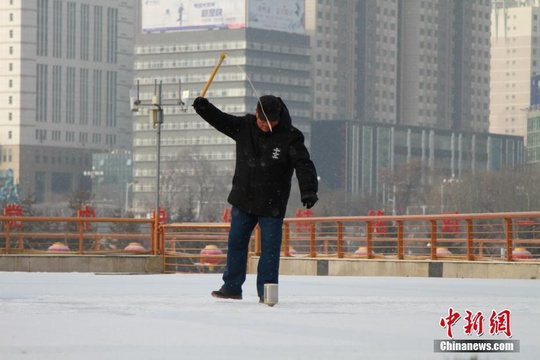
{"x":242,"y":225}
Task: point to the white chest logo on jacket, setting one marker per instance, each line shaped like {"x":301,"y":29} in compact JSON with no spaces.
{"x":275,"y":154}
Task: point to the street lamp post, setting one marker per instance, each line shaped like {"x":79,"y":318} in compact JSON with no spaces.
{"x":156,"y":119}
{"x":126,"y":206}
{"x":445,"y":182}
{"x":94,"y":174}
{"x":523,"y":191}
{"x":156,"y":116}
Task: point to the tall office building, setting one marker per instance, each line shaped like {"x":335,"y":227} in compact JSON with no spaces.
{"x":67,"y":67}
{"x":515,"y":50}
{"x":266,"y":51}
{"x":415,"y":62}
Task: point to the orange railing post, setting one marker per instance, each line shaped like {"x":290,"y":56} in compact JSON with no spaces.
{"x":20,"y":244}
{"x":369,"y":239}
{"x":81,"y":225}
{"x":509,"y":237}
{"x":156,"y":239}
{"x":286,"y":235}
{"x":400,"y":245}
{"x":470,"y":250}
{"x":339,"y":239}
{"x":433,"y":239}
{"x":312,"y":251}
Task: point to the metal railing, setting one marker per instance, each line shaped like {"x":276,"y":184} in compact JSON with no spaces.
{"x":192,"y":247}
{"x":202,"y":247}
{"x":198,"y":247}
{"x":76,"y":235}
{"x":495,"y":236}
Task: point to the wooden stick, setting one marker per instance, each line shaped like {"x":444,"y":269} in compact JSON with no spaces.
{"x":216,"y":68}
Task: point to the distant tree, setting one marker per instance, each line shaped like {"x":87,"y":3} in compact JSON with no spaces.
{"x":194,"y":178}
{"x":122,"y":228}
{"x":28,"y":226}
{"x":78,"y":198}
{"x":185,"y":212}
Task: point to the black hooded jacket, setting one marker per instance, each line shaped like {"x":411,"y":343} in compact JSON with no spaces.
{"x":265,"y":162}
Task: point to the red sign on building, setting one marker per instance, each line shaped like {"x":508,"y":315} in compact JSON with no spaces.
{"x":13,"y":210}
{"x":227,"y":216}
{"x":450,"y":225}
{"x":162,"y":216}
{"x":379,"y":227}
{"x":86,"y":212}
{"x":307,"y":213}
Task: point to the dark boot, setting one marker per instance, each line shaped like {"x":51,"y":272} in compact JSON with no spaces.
{"x":226,"y":294}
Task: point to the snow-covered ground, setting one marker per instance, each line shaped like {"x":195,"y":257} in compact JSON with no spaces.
{"x":91,"y":316}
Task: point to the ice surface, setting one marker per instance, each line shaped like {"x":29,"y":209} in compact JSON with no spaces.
{"x":91,"y":316}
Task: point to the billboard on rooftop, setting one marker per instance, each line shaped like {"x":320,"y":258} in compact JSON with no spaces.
{"x":182,"y":15}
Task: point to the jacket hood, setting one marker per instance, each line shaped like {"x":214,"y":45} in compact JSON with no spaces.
{"x":285,"y":118}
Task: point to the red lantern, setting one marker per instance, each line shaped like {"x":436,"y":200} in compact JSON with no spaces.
{"x":362,"y":251}
{"x":58,"y":247}
{"x":211,"y":255}
{"x":134,"y":246}
{"x":292,"y":252}
{"x":443,"y":251}
{"x":521,"y":253}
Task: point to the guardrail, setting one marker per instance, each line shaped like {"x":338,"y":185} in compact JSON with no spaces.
{"x":197,"y":247}
{"x":496,"y":236}
{"x":74,"y":235}
{"x":192,"y":247}
{"x":202,"y":247}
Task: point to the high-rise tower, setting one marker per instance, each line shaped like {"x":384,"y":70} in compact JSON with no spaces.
{"x":66,"y":73}
{"x":415,"y":62}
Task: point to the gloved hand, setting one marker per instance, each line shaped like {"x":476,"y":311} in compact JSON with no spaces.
{"x":309,"y":200}
{"x":200,"y":103}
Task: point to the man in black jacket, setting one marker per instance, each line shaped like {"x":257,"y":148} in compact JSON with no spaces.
{"x":268,"y":150}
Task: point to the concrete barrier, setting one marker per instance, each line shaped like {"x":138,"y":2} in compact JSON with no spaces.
{"x":412,"y":268}
{"x":145,"y":264}
{"x":148,"y":264}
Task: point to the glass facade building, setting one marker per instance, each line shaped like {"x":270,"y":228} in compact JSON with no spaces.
{"x":351,"y":155}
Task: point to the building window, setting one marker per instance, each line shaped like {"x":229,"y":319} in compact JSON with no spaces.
{"x":71,"y":30}
{"x":57,"y":29}
{"x":10,"y":134}
{"x":112,"y":35}
{"x":98,"y":33}
{"x":85,"y":31}
{"x":42,"y":27}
